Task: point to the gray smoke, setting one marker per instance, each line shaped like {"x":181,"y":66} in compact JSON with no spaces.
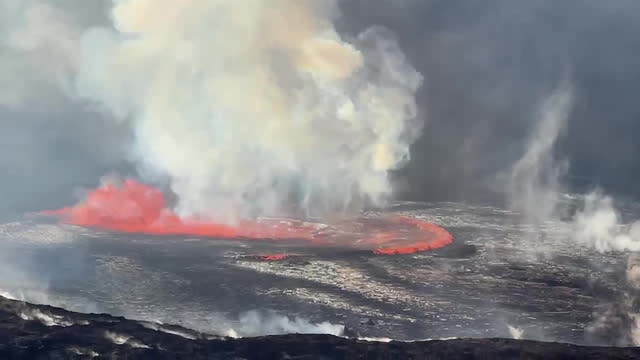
{"x":598,"y":225}
{"x":535,"y":180}
{"x":256,"y":323}
{"x":49,"y":144}
{"x":38,"y":51}
{"x":488,"y":67}
{"x":246,"y":113}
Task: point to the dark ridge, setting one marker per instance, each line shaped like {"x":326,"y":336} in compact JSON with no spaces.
{"x":24,"y":334}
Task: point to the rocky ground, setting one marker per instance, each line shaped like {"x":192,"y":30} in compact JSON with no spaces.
{"x":42,"y":332}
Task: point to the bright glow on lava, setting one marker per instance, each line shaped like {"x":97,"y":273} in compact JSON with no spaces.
{"x":137,"y":208}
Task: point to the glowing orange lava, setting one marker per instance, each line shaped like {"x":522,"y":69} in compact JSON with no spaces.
{"x":132,"y":207}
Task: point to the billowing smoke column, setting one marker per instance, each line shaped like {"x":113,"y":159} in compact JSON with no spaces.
{"x":254,"y":107}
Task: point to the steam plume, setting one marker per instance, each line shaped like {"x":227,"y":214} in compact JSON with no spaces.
{"x":598,"y":225}
{"x":536,"y":177}
{"x":254,"y":323}
{"x":248,"y":107}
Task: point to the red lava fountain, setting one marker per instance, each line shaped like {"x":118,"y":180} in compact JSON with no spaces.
{"x":132,"y":207}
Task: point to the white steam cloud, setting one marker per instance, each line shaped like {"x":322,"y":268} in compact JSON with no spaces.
{"x":598,"y":225}
{"x":254,"y":323}
{"x":515,"y":332}
{"x":535,"y":179}
{"x":252,"y":107}
{"x":535,"y":188}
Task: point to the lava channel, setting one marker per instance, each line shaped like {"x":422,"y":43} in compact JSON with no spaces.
{"x":132,"y":207}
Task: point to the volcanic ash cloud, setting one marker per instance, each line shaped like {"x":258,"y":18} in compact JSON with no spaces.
{"x":255,"y":107}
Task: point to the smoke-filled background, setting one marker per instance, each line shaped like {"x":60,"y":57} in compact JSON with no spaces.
{"x":489,"y":65}
{"x":101,"y":87}
{"x":242,"y":109}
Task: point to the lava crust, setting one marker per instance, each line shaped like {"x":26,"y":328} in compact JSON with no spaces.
{"x":43,"y":332}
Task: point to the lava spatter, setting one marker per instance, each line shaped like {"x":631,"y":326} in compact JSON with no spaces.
{"x":132,"y":207}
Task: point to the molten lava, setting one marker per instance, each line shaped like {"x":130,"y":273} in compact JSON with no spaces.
{"x":137,"y":208}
